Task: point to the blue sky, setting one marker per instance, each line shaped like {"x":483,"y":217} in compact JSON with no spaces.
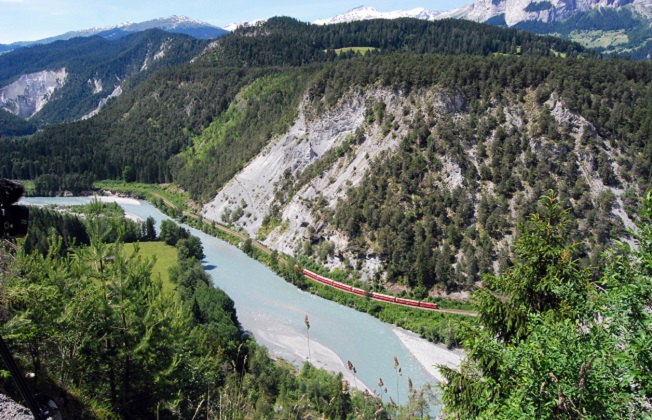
{"x":28,"y":20}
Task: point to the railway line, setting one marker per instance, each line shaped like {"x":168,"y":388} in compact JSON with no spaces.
{"x":429,"y":306}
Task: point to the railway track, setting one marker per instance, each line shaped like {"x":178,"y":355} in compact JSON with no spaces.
{"x":266,"y":250}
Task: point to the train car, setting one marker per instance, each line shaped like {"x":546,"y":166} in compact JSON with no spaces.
{"x":326,"y":281}
{"x":342,"y":286}
{"x":428,"y":305}
{"x":358,"y":291}
{"x":408,"y":302}
{"x":317,"y":277}
{"x":386,"y":298}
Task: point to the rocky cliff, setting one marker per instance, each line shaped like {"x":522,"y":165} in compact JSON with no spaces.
{"x":288,"y":195}
{"x":31,"y":92}
{"x":516,"y":11}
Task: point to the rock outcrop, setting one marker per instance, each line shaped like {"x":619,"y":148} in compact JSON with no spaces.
{"x":251,"y":193}
{"x":31,"y":92}
{"x":516,"y":11}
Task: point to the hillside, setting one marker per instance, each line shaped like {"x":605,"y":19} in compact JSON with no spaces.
{"x":611,"y":27}
{"x":419,"y":180}
{"x":412,"y":165}
{"x":72,"y":80}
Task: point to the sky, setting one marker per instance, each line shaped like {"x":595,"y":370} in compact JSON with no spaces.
{"x":30,"y":20}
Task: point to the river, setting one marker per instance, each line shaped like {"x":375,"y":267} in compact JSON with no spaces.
{"x":274,"y":312}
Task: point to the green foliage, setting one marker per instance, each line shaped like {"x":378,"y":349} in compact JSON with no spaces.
{"x":163,"y":256}
{"x":259,"y":112}
{"x":43,"y":223}
{"x":285,"y":41}
{"x":95,"y":324}
{"x":11,"y":125}
{"x":553,"y":344}
{"x":47,"y":224}
{"x":148,"y":126}
{"x":99,"y":330}
{"x":171,"y":233}
{"x":190,"y":248}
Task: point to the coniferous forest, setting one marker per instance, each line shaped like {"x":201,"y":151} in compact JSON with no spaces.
{"x":515,"y":171}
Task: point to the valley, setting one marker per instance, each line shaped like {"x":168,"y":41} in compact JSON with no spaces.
{"x":487,"y":170}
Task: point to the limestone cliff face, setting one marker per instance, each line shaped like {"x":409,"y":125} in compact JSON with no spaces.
{"x":281,"y":196}
{"x":516,"y":11}
{"x":31,"y":92}
{"x":251,"y":193}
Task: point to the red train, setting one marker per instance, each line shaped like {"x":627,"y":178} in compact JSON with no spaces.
{"x":357,"y":291}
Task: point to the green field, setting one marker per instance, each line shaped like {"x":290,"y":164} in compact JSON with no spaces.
{"x":165,"y":256}
{"x":600,"y":39}
{"x":361,"y":50}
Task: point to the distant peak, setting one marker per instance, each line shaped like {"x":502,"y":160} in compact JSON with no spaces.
{"x":366,"y":12}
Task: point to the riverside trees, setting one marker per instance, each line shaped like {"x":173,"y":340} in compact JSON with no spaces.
{"x":105,"y":339}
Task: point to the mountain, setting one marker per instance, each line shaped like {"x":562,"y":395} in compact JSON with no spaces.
{"x":74,"y":79}
{"x":417,"y":160}
{"x":366,"y":13}
{"x":517,"y":11}
{"x":609,"y":26}
{"x":172,"y":24}
{"x":613,"y":30}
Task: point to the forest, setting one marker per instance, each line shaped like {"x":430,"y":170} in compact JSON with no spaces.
{"x":196,"y":125}
{"x":106,"y":339}
{"x":149,"y":126}
{"x":560,"y":279}
{"x":429,"y":232}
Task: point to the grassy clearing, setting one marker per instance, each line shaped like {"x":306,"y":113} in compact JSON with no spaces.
{"x":361,"y":50}
{"x":600,"y":39}
{"x":165,"y":257}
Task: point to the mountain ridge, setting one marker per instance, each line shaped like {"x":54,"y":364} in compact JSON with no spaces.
{"x":73,"y":79}
{"x":610,"y":26}
{"x":172,"y":24}
{"x":416,"y":160}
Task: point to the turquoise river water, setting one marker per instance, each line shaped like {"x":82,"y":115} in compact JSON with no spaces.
{"x":274,"y":311}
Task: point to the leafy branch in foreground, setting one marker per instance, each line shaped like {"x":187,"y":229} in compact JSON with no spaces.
{"x":551,"y":343}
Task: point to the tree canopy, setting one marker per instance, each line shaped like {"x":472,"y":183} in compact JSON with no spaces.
{"x":552,"y":343}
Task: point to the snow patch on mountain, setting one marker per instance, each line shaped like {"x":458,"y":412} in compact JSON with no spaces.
{"x":176,"y":24}
{"x":514,"y":11}
{"x":367,"y":13}
{"x":31,"y":92}
{"x":233,"y":26}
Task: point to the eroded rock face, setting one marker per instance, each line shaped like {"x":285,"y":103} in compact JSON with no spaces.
{"x":251,"y":193}
{"x":31,"y":92}
{"x":253,"y":187}
{"x":516,"y":11}
{"x":298,"y":180}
